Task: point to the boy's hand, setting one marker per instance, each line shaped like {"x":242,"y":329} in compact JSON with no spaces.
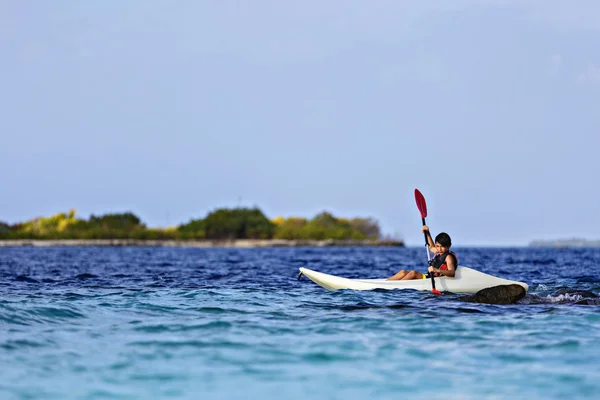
{"x":433,"y":269}
{"x":425,"y":228}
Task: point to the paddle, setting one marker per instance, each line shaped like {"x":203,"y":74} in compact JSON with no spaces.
{"x":422,"y":206}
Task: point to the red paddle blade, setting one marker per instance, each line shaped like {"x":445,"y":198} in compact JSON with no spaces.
{"x":435,"y":291}
{"x":421,"y":205}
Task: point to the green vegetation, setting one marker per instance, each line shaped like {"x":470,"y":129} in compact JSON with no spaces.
{"x":220,"y":224}
{"x":326,"y":226}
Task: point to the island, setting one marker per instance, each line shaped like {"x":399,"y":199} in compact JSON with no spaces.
{"x":565,"y":243}
{"x":222,"y":227}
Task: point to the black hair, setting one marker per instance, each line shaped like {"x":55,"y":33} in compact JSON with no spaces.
{"x":443,"y":239}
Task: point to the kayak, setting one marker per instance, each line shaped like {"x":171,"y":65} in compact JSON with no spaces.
{"x":466,"y":280}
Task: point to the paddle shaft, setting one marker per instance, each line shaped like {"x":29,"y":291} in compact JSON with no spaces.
{"x":426,"y":241}
{"x":422,"y":206}
{"x":431,"y":274}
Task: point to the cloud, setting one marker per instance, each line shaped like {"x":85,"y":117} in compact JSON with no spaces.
{"x":591,"y":75}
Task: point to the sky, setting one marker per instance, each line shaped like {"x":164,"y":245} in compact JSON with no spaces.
{"x":173,"y":109}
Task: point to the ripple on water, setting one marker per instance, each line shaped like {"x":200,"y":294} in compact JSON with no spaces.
{"x":23,"y":344}
{"x":199,"y":344}
{"x":54,"y":314}
{"x":209,"y":326}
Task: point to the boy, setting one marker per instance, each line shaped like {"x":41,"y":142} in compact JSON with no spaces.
{"x":444,"y":263}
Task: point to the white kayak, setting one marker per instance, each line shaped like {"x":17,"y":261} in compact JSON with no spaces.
{"x":466,"y":280}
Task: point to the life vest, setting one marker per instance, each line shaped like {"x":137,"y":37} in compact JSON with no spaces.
{"x":439,"y":261}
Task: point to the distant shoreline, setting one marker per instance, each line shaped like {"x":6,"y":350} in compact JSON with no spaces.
{"x":238,"y":243}
{"x":566,"y":243}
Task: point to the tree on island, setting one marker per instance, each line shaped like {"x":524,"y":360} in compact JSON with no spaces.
{"x":4,"y":228}
{"x":326,"y":226}
{"x":237,"y":223}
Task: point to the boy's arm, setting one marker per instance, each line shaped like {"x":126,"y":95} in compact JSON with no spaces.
{"x":451,"y":267}
{"x":429,"y":238}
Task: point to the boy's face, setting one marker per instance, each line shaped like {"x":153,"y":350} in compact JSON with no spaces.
{"x":441,"y":249}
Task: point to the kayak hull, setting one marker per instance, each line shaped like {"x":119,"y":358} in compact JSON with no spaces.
{"x":466,"y":280}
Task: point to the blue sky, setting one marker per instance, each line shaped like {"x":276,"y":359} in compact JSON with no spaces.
{"x":171,"y":109}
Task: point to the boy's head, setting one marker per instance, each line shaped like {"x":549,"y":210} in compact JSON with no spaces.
{"x":443,"y":239}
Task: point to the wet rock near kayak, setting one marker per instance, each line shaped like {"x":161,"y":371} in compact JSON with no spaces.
{"x":588,"y":302}
{"x":503,"y":294}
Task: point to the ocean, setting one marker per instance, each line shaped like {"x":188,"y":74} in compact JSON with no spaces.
{"x":223,"y":323}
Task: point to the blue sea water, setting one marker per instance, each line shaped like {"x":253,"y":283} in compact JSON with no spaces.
{"x":137,"y":322}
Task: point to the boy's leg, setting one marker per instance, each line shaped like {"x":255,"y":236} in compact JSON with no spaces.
{"x":413,"y":275}
{"x":401,"y":274}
